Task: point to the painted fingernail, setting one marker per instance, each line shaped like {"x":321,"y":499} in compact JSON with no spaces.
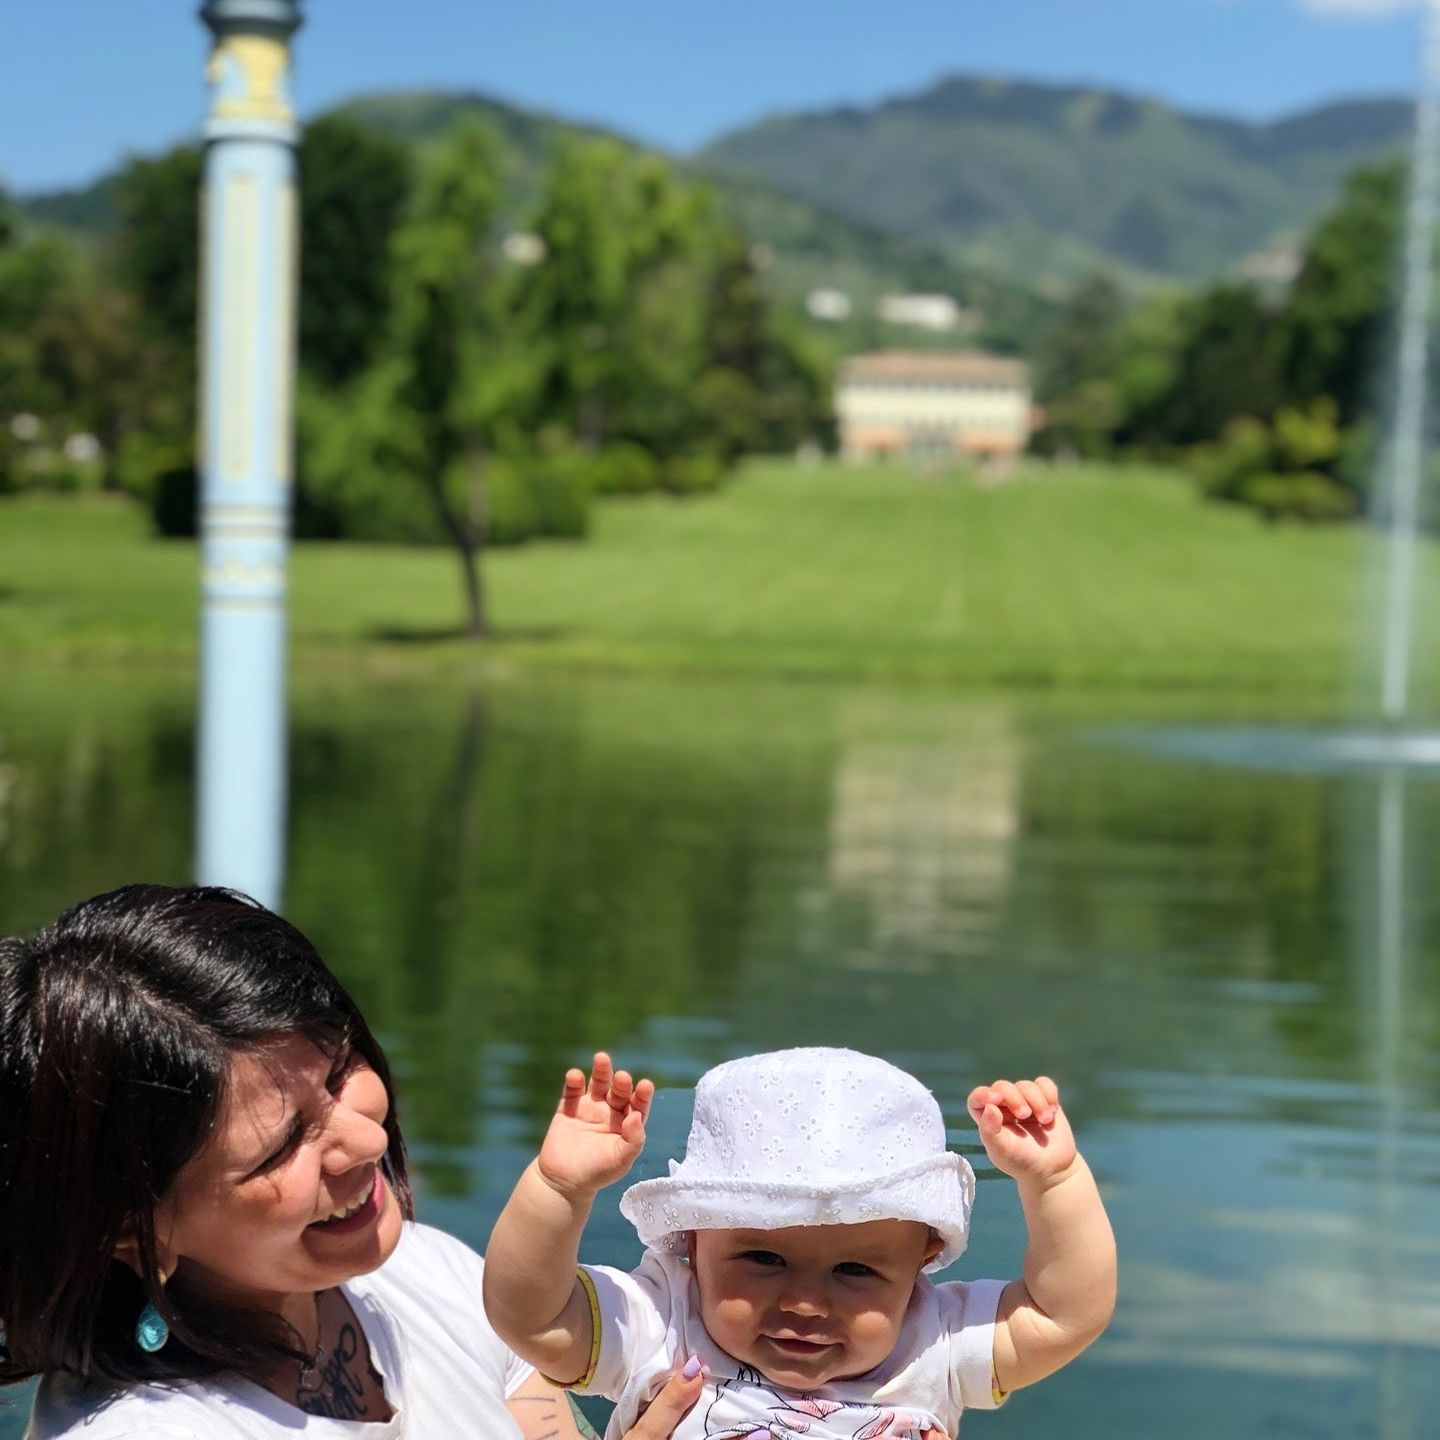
{"x":692,"y":1367}
{"x":758,"y":1435}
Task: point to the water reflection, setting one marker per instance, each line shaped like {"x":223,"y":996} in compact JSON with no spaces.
{"x":510,"y":876}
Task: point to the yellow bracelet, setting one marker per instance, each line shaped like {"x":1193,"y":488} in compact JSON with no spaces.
{"x":588,"y":1285}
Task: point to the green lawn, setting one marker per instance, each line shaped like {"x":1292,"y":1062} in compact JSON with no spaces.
{"x":1082,"y":576}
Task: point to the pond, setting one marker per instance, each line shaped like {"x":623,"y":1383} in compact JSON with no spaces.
{"x":510,"y":875}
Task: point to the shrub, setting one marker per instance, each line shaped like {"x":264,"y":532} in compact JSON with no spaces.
{"x":1305,"y":495}
{"x":560,"y":487}
{"x":512,"y":512}
{"x":1281,"y":470}
{"x":692,"y":474}
{"x":624,"y":468}
{"x":1243,"y":452}
{"x":143,"y":456}
{"x":174,"y":501}
{"x":530,"y":497}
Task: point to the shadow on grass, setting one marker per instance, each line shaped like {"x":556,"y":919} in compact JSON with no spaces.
{"x":441,"y":634}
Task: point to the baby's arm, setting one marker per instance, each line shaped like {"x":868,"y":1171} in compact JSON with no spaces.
{"x":1067,"y":1293}
{"x":532,"y":1296}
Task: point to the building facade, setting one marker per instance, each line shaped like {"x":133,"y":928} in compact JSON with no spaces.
{"x":933,"y":404}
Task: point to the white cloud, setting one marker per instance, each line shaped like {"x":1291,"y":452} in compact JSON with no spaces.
{"x":1359,"y":9}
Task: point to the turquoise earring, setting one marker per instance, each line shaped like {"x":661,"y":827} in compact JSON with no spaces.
{"x":151,"y":1331}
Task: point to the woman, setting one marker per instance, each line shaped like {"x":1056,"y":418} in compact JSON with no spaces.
{"x":204,"y":1211}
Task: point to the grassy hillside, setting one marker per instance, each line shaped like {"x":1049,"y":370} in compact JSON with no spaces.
{"x":1062,"y":577}
{"x":984,"y":188}
{"x":994,"y":192}
{"x":1042,"y":178}
{"x":808,"y":245}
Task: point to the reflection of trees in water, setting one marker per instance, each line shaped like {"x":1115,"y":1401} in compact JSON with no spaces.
{"x":546,"y":875}
{"x":442,"y":1057}
{"x":95,"y":788}
{"x":509,"y":877}
{"x":1215,"y":909}
{"x":1216,"y":933}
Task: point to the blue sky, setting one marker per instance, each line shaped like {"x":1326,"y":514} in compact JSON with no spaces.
{"x":84,"y":81}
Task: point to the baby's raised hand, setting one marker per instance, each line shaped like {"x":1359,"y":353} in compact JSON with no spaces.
{"x":1023,"y":1128}
{"x":598,"y":1129}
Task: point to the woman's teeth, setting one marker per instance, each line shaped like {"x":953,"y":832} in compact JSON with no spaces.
{"x":352,"y":1207}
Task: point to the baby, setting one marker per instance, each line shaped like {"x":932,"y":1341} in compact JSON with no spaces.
{"x":787,"y":1253}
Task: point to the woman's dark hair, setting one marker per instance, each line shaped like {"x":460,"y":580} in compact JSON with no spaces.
{"x":118,"y":1027}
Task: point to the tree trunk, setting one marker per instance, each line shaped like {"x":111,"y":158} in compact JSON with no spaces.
{"x":477,"y":532}
{"x":467,"y":543}
{"x":477,"y":627}
{"x":591,"y":423}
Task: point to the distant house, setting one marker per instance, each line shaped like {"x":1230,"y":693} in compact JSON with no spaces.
{"x":828,"y":304}
{"x":922,"y":312}
{"x":943,"y":402}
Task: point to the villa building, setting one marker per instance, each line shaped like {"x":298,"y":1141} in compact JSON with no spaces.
{"x":933,"y":403}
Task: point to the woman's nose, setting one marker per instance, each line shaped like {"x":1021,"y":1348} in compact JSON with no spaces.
{"x":356,"y":1138}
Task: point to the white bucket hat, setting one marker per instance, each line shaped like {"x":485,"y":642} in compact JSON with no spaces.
{"x":808,"y":1137}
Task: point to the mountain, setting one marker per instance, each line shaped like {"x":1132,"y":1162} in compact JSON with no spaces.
{"x":1043,"y":180}
{"x":997,"y":193}
{"x":804,"y":246}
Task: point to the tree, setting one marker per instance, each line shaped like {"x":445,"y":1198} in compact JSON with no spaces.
{"x":353,"y":189}
{"x":158,"y":245}
{"x":650,"y":324}
{"x":1147,"y":359}
{"x":33,"y":275}
{"x":1079,"y":346}
{"x":156,"y":262}
{"x":445,"y":278}
{"x":760,"y":388}
{"x":71,"y":350}
{"x":88,"y":347}
{"x":1074,"y":377}
{"x":1226,"y":366}
{"x":608,"y":304}
{"x":1335,"y":319}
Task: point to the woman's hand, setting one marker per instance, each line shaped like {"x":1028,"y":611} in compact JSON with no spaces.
{"x":1023,"y":1128}
{"x":598,"y":1129}
{"x":544,"y":1412}
{"x":670,"y":1406}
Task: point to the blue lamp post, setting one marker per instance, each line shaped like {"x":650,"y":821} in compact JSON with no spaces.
{"x":247,"y":381}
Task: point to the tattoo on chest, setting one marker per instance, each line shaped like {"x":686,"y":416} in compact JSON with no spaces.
{"x":339,"y":1389}
{"x":582,"y":1421}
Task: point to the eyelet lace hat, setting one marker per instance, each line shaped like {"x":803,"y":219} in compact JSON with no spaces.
{"x":808,"y":1137}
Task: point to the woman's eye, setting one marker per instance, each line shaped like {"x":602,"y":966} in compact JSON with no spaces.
{"x":853,"y":1268}
{"x":768,"y":1258}
{"x":277,"y":1156}
{"x":340,"y":1072}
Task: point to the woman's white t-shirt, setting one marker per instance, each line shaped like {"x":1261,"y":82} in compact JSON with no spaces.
{"x":447,"y":1374}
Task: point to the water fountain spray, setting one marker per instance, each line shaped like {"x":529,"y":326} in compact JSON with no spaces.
{"x":1407,"y":453}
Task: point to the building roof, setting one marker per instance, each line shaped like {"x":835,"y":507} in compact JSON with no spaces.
{"x":954,"y":367}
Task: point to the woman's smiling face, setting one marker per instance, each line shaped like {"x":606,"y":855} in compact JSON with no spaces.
{"x":288,"y":1197}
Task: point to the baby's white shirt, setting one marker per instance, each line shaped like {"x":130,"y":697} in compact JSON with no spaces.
{"x":649,"y":1318}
